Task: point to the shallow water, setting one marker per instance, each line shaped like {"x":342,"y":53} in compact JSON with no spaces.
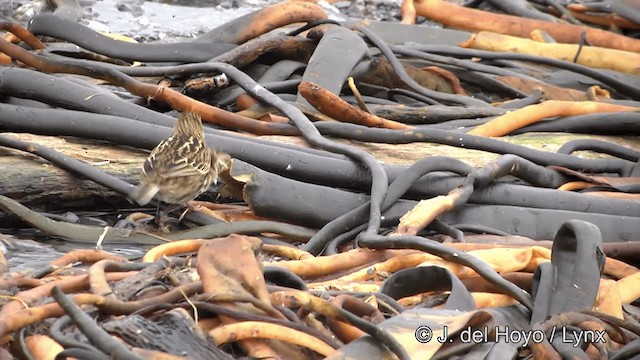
{"x":24,"y":253}
{"x":28,"y":249}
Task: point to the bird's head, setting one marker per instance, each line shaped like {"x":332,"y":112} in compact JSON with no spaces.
{"x":189,"y":123}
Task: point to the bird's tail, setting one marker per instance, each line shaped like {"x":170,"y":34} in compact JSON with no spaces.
{"x":143,"y":194}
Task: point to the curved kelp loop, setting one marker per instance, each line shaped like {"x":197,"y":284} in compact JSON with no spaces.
{"x":20,"y":345}
{"x":409,"y":282}
{"x":427,"y":210}
{"x":399,"y":69}
{"x":572,"y":280}
{"x":395,"y":191}
{"x":332,"y":247}
{"x":100,"y":338}
{"x":436,"y":225}
{"x":449,"y":254}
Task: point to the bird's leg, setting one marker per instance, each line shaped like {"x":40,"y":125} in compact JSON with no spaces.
{"x":160,"y":216}
{"x":157,"y":209}
{"x":184,"y":213}
{"x":190,"y":207}
{"x":163,"y":215}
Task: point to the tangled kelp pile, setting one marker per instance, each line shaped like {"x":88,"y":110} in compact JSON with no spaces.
{"x":328,"y":252}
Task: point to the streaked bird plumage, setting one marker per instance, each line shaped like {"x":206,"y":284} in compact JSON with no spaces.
{"x":182,"y":166}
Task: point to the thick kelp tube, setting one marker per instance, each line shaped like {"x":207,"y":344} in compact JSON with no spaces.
{"x":296,"y":164}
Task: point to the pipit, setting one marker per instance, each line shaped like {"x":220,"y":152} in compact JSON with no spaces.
{"x":182,"y":166}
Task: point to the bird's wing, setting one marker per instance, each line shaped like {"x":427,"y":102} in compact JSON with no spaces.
{"x":190,"y":158}
{"x":186,"y":167}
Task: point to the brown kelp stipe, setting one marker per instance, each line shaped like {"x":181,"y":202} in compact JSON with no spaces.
{"x":592,"y":56}
{"x":22,"y":34}
{"x":275,"y":16}
{"x":15,"y":33}
{"x":505,"y":124}
{"x":86,"y":256}
{"x":338,"y":109}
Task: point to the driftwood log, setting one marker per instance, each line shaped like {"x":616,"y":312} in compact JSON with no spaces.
{"x":38,"y":184}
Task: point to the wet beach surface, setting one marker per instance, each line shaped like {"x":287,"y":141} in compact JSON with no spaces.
{"x":145,"y":20}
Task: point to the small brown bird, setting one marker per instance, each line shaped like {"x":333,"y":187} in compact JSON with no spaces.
{"x":182,"y":166}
